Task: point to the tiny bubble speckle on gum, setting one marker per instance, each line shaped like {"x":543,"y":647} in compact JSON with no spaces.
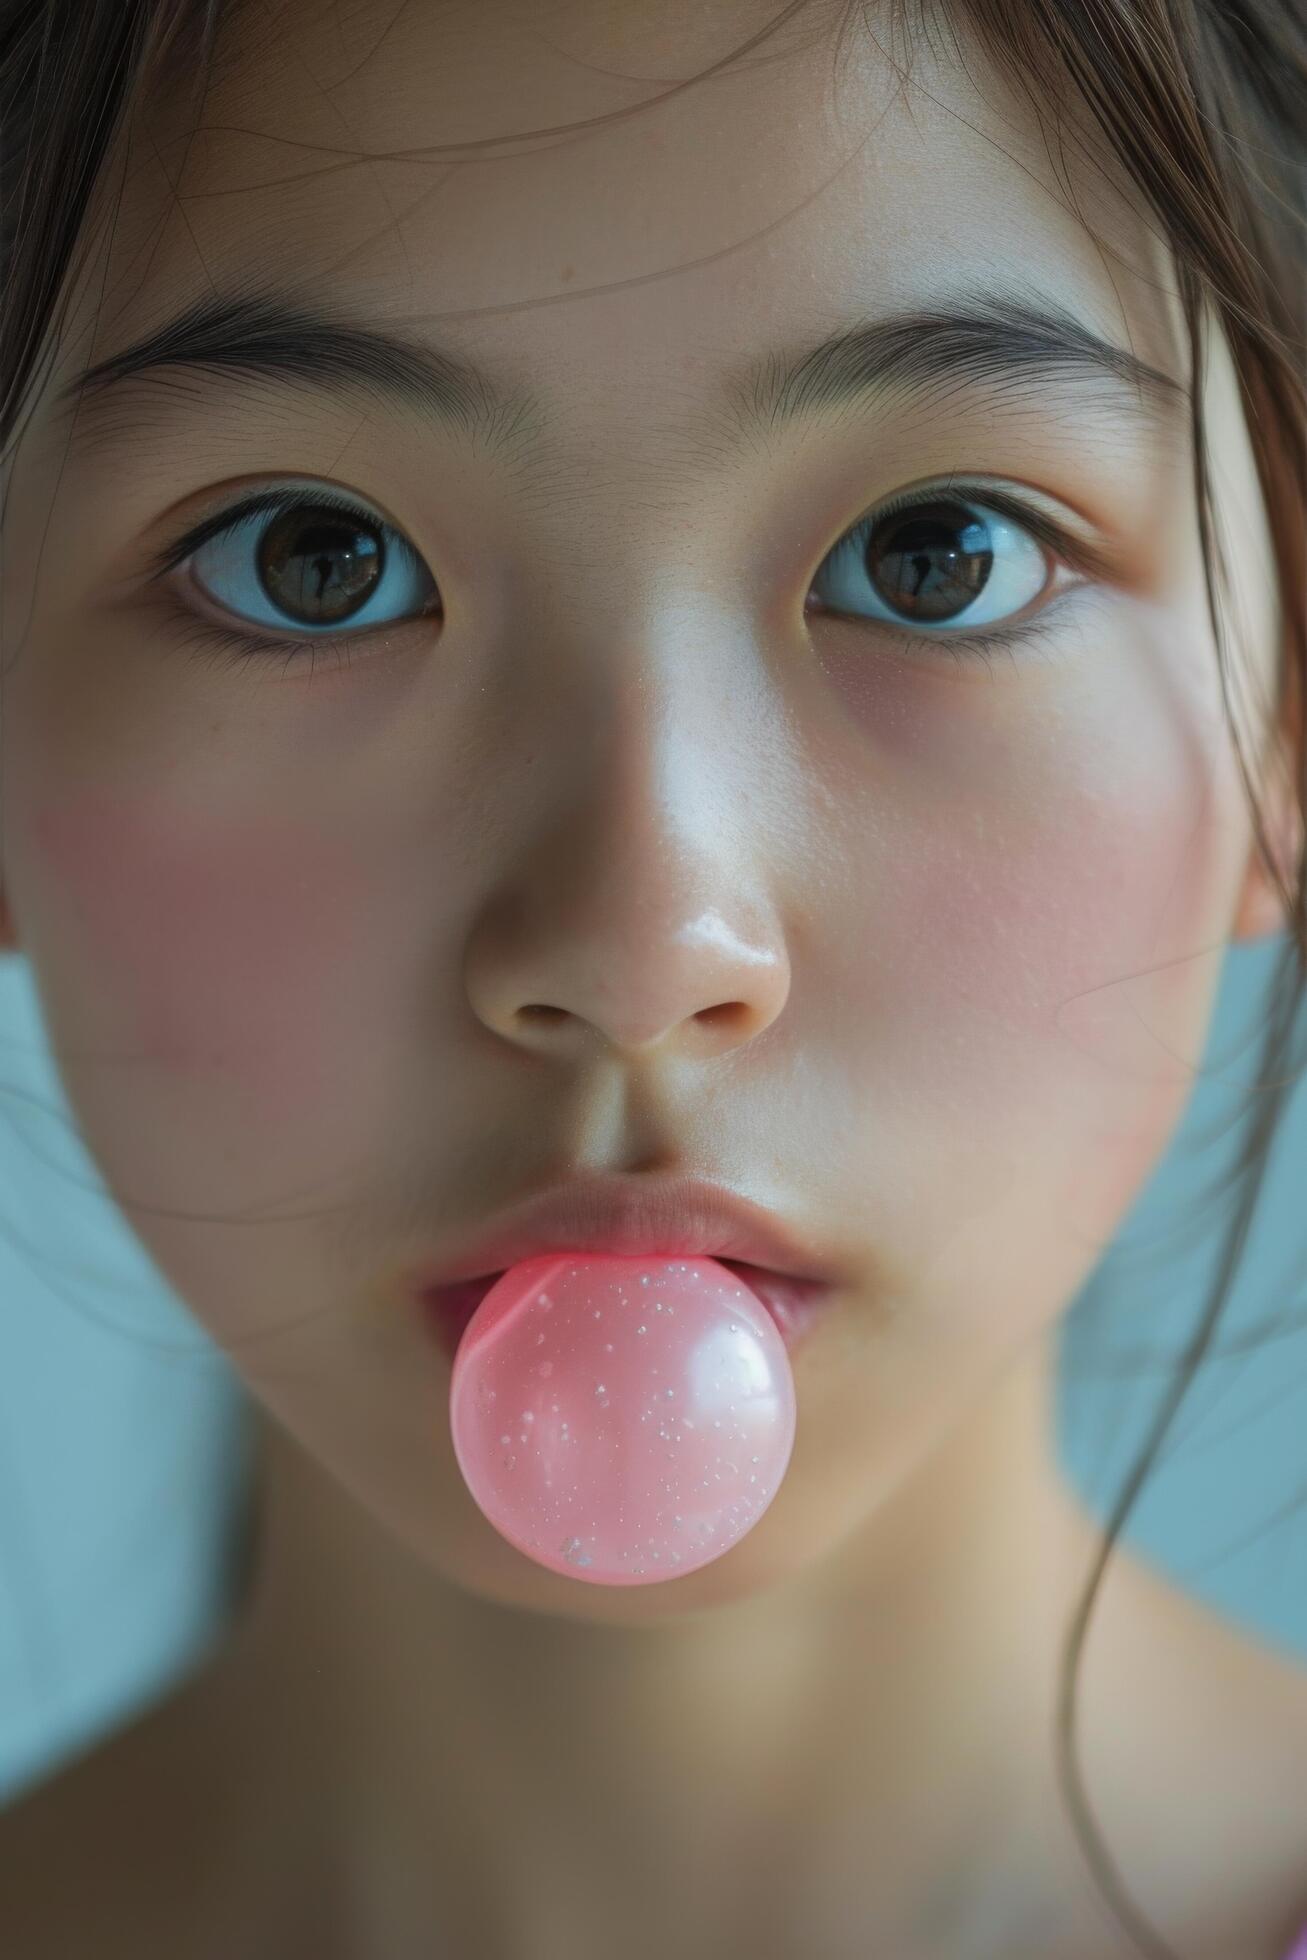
{"x":586,"y":1490}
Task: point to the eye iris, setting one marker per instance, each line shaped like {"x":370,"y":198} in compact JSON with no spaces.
{"x":931,"y":562}
{"x":322,"y":565}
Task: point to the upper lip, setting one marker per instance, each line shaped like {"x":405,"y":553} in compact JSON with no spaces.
{"x":634,"y":1218}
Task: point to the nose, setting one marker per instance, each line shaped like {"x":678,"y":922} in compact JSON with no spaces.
{"x":639,"y":923}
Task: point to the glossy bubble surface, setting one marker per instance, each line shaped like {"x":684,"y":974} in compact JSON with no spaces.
{"x":622,"y":1420}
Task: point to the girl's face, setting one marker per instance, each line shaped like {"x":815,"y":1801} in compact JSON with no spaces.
{"x":637,"y":724}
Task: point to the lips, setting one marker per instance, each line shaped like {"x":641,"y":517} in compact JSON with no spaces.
{"x":794,"y":1304}
{"x":636,"y":1218}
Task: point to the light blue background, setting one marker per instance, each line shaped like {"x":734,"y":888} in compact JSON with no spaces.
{"x":125,"y":1439}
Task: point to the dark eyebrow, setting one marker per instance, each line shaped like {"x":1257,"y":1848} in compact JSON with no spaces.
{"x":995,"y":339}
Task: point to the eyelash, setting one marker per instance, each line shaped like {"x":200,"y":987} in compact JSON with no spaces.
{"x":219,"y":646}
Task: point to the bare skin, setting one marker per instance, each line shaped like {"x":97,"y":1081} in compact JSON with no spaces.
{"x":285,"y":1804}
{"x":817,"y":1810}
{"x":970,"y":918}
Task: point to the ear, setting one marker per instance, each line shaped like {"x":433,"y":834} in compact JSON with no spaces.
{"x":1260,"y":911}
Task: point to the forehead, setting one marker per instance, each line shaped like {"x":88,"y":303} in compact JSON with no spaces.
{"x":607,"y":204}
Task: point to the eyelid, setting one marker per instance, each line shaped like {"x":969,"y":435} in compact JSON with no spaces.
{"x":1079,"y":551}
{"x":1092,"y":560}
{"x":257,"y":503}
{"x":1056,"y":536}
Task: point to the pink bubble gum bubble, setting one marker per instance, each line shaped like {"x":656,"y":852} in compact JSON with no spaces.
{"x":622,"y":1421}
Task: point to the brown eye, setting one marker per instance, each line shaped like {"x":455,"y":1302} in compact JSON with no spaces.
{"x":318,"y":567}
{"x":291,"y":563}
{"x":935,"y":561}
{"x":930,"y":563}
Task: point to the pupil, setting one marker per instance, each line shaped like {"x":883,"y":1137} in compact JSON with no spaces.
{"x":932,"y":562}
{"x":322,"y":567}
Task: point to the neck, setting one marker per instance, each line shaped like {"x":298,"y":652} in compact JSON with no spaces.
{"x":889,"y":1716}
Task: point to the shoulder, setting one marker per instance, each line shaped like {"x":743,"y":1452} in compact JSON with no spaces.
{"x":1194,"y":1744}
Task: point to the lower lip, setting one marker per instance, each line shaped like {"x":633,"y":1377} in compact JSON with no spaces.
{"x":794,"y":1304}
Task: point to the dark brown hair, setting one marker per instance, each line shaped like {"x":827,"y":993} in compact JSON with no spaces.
{"x":1204,"y":102}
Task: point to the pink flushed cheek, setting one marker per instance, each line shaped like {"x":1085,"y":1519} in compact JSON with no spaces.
{"x":211,"y":945}
{"x":1080,"y":943}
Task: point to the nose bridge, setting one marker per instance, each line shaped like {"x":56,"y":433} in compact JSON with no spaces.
{"x":629,"y":578}
{"x":660,"y":666}
{"x":649,"y":672}
{"x":630,"y":460}
{"x":625,"y":517}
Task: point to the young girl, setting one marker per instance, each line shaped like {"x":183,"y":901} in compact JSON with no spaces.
{"x":601,"y":597}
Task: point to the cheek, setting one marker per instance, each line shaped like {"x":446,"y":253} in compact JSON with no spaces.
{"x":1078,"y":923}
{"x":1036,"y":968}
{"x":210,"y":952}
